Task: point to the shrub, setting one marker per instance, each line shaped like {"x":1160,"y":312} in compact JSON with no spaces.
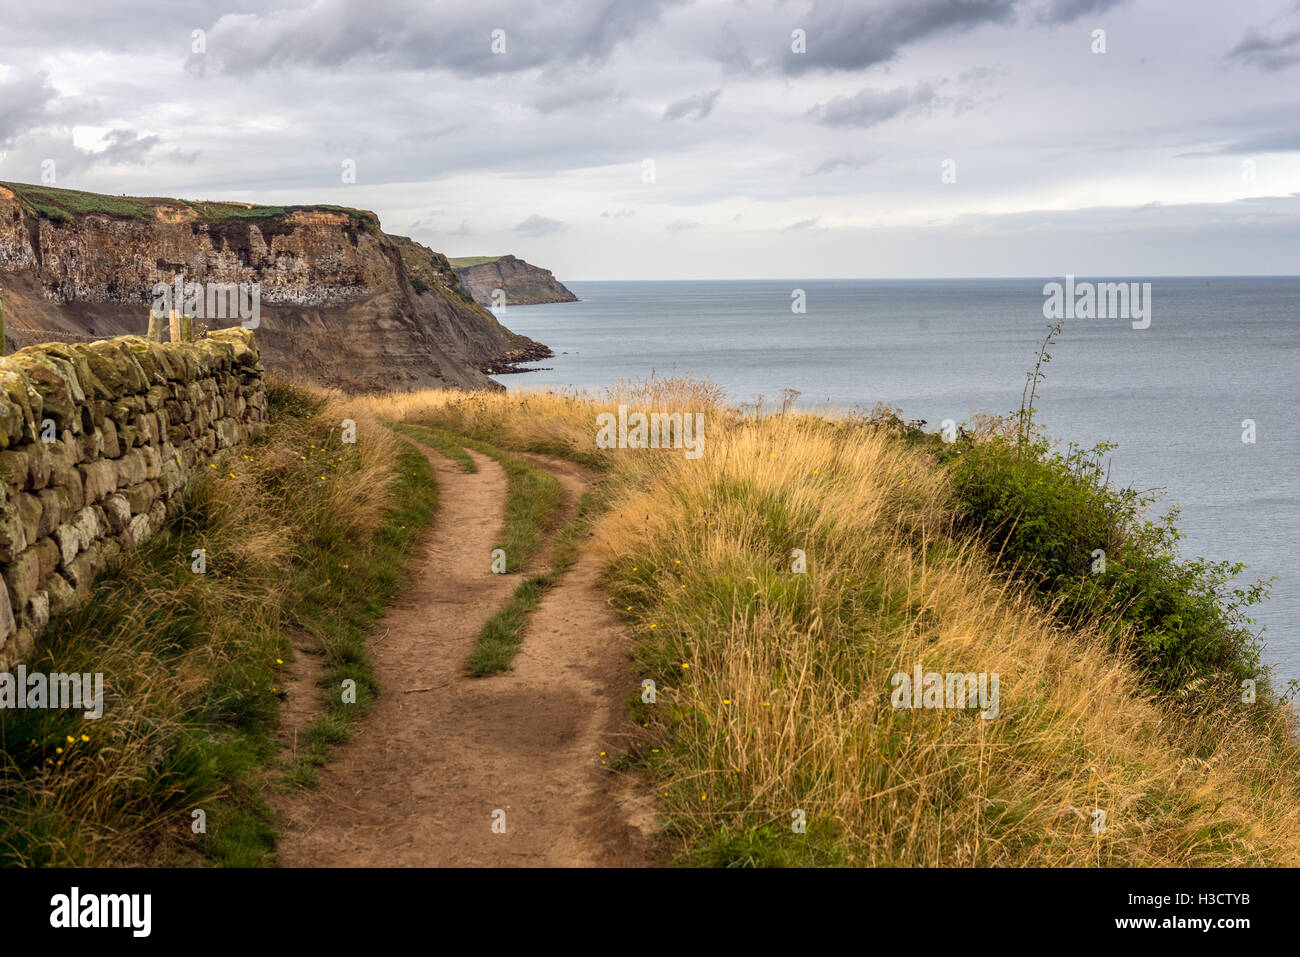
{"x":1047,"y":514}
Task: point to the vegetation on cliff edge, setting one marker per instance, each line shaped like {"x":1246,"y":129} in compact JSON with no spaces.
{"x":1122,"y":736}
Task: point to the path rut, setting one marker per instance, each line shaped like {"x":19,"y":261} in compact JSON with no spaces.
{"x":440,"y":753}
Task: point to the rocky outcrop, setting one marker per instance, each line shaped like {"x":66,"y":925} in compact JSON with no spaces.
{"x":523,"y":283}
{"x":97,"y":443}
{"x":342,"y":303}
{"x":492,"y":347}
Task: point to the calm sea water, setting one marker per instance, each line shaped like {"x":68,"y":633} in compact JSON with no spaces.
{"x":1218,"y":351}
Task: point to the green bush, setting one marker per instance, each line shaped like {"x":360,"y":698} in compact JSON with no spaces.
{"x":1047,"y":514}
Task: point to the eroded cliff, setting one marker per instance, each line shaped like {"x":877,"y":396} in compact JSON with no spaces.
{"x":523,"y":283}
{"x":341,"y":302}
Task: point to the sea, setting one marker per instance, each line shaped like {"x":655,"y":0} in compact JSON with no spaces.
{"x":1202,"y":403}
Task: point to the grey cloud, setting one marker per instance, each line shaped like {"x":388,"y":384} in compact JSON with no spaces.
{"x":403,"y":34}
{"x":870,"y":107}
{"x":835,"y":163}
{"x":567,"y":96}
{"x":803,"y":224}
{"x":681,"y":225}
{"x":1272,"y":53}
{"x":618,"y":214}
{"x":843,"y":36}
{"x":22,"y":105}
{"x":123,"y":25}
{"x":979,"y":75}
{"x":1280,"y":141}
{"x":536,"y":225}
{"x":697,"y":106}
{"x":1067,"y":11}
{"x":126,"y":146}
{"x":729,"y":52}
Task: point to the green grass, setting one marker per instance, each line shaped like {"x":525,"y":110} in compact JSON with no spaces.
{"x":192,"y":663}
{"x":1088,"y":551}
{"x":533,"y":502}
{"x":66,"y":205}
{"x":533,"y":496}
{"x":464,"y":262}
{"x":343,"y":612}
{"x":441,"y":441}
{"x":502,"y":635}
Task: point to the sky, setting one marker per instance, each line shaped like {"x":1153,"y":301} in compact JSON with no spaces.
{"x":668,"y":139}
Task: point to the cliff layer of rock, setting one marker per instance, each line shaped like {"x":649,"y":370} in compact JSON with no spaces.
{"x":342,"y":303}
{"x":523,"y":283}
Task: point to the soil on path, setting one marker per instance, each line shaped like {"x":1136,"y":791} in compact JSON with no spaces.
{"x":439,"y":757}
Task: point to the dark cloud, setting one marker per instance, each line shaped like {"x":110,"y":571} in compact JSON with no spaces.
{"x":120,"y":25}
{"x":850,"y":36}
{"x":287,"y":89}
{"x":803,"y":224}
{"x":1278,"y":51}
{"x":407,"y":34}
{"x":870,"y":107}
{"x":697,"y":106}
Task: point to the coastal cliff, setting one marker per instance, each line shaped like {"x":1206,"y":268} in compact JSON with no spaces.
{"x":341,"y":302}
{"x":523,"y":283}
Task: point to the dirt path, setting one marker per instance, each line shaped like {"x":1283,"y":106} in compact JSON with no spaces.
{"x":426,"y":771}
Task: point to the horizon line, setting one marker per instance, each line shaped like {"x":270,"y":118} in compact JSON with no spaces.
{"x":1086,"y":276}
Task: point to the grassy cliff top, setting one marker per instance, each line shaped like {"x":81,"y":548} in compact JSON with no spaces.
{"x":66,"y":205}
{"x":463,"y":262}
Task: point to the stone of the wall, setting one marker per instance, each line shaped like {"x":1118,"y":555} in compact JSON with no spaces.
{"x":98,"y":442}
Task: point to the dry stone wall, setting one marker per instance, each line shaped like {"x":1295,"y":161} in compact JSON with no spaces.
{"x":97,"y":444}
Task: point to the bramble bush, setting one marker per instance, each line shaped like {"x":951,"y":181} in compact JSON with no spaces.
{"x":1046,"y":514}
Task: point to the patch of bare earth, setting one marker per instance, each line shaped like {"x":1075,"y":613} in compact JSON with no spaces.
{"x":301,"y":696}
{"x":440,"y":754}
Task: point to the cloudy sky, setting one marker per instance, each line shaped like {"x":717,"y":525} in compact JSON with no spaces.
{"x":656,"y":139}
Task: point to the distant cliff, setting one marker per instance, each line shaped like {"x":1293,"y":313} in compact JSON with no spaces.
{"x":523,"y":284}
{"x":342,"y":302}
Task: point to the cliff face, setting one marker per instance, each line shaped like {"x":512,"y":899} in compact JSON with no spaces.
{"x":524,"y":284}
{"x":342,"y":303}
{"x":487,"y":343}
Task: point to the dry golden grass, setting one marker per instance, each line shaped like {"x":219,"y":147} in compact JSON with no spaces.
{"x":774,"y":688}
{"x":184,"y":655}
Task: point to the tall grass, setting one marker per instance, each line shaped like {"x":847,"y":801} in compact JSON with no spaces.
{"x":533,"y":495}
{"x":299,"y":531}
{"x":774,"y":685}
